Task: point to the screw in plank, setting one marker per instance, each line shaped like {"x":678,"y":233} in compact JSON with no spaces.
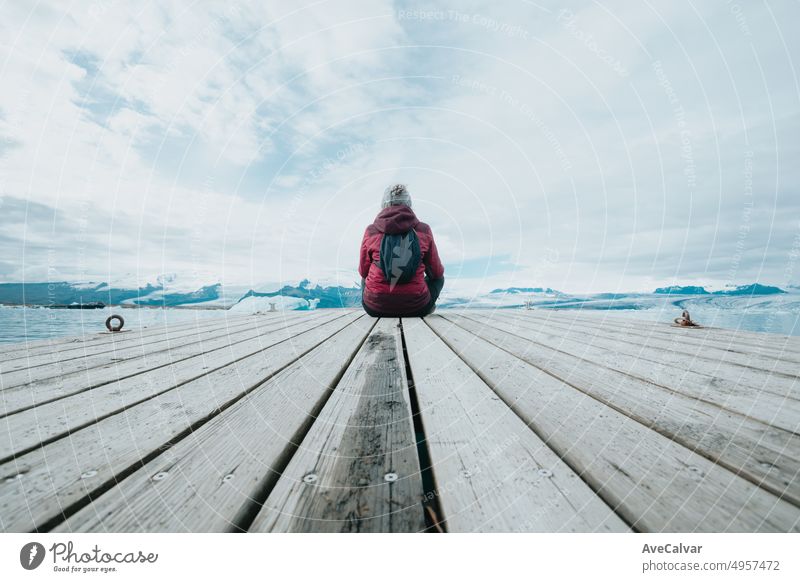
{"x":160,"y":476}
{"x":545,"y":472}
{"x":88,"y":474}
{"x":310,"y":478}
{"x":390,"y":477}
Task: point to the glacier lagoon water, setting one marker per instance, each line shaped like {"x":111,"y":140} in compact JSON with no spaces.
{"x":21,"y":324}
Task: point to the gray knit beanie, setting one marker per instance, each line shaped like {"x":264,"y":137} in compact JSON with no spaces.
{"x":396,"y":195}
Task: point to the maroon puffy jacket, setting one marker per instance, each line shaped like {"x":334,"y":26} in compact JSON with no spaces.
{"x":407,"y":297}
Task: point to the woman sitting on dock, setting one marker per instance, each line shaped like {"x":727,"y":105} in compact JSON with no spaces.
{"x":401,"y":273}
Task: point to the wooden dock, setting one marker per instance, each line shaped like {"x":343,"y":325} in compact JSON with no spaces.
{"x":330,"y":421}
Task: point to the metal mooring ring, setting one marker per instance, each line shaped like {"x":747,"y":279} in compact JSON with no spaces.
{"x":113,"y":328}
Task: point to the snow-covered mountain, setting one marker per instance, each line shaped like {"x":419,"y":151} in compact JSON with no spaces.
{"x":173,"y":290}
{"x":158,"y":291}
{"x":740,"y":290}
{"x":323,"y":297}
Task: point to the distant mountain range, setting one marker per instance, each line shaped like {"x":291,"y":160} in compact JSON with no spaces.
{"x":166,"y":292}
{"x":752,"y":289}
{"x":63,"y":293}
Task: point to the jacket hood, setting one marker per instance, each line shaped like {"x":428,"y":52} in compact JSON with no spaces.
{"x":396,"y":220}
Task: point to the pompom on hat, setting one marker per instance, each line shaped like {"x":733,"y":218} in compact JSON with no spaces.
{"x":396,"y":195}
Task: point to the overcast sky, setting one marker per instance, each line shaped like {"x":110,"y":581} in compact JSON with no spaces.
{"x":611,"y":147}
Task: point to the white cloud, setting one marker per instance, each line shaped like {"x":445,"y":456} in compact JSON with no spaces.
{"x":254,"y":141}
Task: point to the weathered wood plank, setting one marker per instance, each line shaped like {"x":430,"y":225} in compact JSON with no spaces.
{"x":120,"y":348}
{"x":56,"y":419}
{"x":96,"y":340}
{"x":748,"y":343}
{"x":150,"y":373}
{"x":623,"y":437}
{"x":36,"y":488}
{"x":357,"y":470}
{"x":772,"y":409}
{"x":678,"y":341}
{"x":492,"y":472}
{"x":659,"y":361}
{"x":119,"y":359}
{"x":208,"y":481}
{"x":653,"y":482}
{"x":766,"y":455}
{"x":601,"y":317}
